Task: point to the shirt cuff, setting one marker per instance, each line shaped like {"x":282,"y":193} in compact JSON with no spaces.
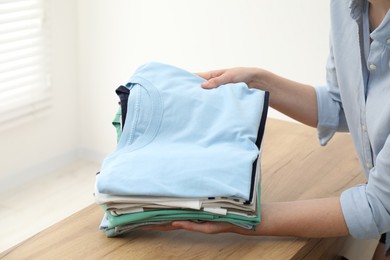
{"x":328,"y":115}
{"x":357,"y":213}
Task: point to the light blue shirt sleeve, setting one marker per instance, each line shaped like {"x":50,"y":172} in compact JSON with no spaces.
{"x":373,"y":197}
{"x":356,"y":99}
{"x":331,"y":117}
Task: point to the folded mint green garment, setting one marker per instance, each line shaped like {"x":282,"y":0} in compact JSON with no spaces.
{"x":174,"y":214}
{"x":117,"y":123}
{"x":113,"y":232}
{"x":120,"y":230}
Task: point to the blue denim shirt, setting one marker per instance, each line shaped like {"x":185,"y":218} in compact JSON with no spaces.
{"x":356,"y":98}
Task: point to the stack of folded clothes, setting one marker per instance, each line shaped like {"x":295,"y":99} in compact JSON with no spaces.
{"x":183,"y":152}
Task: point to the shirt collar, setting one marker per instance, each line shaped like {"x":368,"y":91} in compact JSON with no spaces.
{"x":357,"y":8}
{"x":382,"y":32}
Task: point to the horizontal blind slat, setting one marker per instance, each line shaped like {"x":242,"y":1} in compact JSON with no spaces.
{"x":14,"y":84}
{"x":16,"y":7}
{"x":22,"y":89}
{"x":25,"y":17}
{"x":14,"y":1}
{"x":21,"y":46}
{"x":28,"y":53}
{"x":20,"y":75}
{"x":23,"y":101}
{"x":20,"y":113}
{"x":19,"y":27}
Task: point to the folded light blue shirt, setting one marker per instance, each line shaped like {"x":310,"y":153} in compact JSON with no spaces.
{"x":180,"y":140}
{"x":357,"y":99}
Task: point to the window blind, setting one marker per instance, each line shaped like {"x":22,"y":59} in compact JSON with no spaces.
{"x":24,"y":85}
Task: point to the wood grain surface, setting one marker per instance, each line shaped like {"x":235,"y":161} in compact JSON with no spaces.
{"x":294,"y":167}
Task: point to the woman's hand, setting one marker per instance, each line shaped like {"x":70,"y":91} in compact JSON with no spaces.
{"x":204,"y":227}
{"x":296,"y":100}
{"x":217,"y":78}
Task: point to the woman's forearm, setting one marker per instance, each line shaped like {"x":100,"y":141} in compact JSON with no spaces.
{"x":296,"y":100}
{"x":306,"y":218}
{"x":299,"y":101}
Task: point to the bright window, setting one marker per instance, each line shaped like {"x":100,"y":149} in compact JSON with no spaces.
{"x":24,"y":84}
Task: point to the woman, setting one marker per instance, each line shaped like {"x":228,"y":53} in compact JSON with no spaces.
{"x":355,"y":99}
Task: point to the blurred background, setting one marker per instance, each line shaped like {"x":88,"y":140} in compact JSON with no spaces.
{"x":93,"y":46}
{"x":61,"y":61}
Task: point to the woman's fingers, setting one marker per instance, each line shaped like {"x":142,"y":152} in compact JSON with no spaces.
{"x":205,"y":227}
{"x":167,"y":227}
{"x":213,"y":78}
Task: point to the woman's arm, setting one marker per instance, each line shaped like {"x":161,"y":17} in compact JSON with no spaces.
{"x":306,"y":218}
{"x":293,"y":99}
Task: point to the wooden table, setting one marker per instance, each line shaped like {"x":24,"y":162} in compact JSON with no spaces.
{"x":294,"y":167}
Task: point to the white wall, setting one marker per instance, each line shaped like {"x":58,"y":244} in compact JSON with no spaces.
{"x":286,"y":37}
{"x":97,"y":44}
{"x":48,"y":142}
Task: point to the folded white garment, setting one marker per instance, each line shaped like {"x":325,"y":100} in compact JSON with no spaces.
{"x":119,"y":205}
